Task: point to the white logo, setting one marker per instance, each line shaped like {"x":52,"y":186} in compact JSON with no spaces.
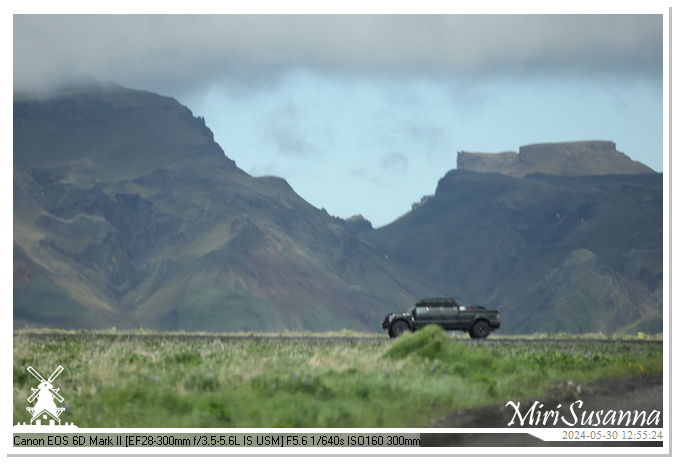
{"x":45,"y":408}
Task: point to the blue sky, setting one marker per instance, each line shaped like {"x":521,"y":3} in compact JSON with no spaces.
{"x":369,"y":146}
{"x":364,"y":114}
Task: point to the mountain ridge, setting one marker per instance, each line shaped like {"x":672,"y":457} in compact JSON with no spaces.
{"x":594,"y":157}
{"x":492,"y":238}
{"x":127,"y":213}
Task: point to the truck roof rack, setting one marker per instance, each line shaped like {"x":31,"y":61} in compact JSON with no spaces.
{"x":437,"y":302}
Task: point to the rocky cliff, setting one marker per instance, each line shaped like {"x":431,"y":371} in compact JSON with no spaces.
{"x":588,"y":158}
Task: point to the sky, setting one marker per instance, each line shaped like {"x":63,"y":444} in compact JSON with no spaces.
{"x":363,"y":114}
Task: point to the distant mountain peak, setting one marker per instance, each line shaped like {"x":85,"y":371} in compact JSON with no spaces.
{"x":587,"y":158}
{"x":127,"y":213}
{"x":74,"y":129}
{"x":359,"y":223}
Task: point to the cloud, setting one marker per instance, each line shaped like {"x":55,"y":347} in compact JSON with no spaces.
{"x":286,"y":128}
{"x":432,"y":137}
{"x":471,"y":98}
{"x":364,"y":175}
{"x":163,"y":52}
{"x":394,"y":162}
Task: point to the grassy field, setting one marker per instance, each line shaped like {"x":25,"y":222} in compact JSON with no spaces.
{"x":353,"y":380}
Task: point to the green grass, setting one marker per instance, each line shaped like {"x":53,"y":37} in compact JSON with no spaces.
{"x":116,"y":380}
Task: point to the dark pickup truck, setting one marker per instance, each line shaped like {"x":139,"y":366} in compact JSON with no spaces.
{"x":477,"y":320}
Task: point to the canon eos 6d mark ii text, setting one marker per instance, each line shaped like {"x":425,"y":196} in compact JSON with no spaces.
{"x":445,"y":312}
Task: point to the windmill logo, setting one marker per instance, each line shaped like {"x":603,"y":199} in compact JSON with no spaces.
{"x":45,"y":408}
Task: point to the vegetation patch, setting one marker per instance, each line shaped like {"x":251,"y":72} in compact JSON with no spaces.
{"x":120,"y":380}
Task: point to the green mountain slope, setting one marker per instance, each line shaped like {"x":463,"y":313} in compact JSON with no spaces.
{"x":127,"y":213}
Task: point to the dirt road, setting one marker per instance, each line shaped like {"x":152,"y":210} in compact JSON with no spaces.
{"x":630,"y":394}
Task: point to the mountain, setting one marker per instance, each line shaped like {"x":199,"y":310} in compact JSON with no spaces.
{"x":576,"y":253}
{"x":128,"y":214}
{"x":559,"y":159}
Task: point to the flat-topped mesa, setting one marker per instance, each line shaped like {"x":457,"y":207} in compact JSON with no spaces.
{"x":588,"y":158}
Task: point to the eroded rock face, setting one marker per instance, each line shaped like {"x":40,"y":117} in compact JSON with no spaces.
{"x":588,"y":158}
{"x":498,"y":163}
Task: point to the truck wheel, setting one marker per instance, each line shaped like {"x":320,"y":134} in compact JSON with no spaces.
{"x":480,"y":330}
{"x":398,"y":328}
